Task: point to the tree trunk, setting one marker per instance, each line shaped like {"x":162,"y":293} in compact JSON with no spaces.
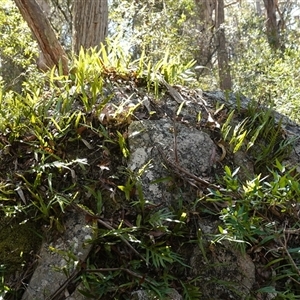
{"x":52,"y":52}
{"x":45,"y":6}
{"x":205,"y":10}
{"x":272,"y":29}
{"x":223,"y":61}
{"x":90,"y":18}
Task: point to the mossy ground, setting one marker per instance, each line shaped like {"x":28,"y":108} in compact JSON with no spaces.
{"x":19,"y":244}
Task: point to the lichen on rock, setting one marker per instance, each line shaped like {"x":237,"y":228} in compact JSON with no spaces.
{"x":193,"y":149}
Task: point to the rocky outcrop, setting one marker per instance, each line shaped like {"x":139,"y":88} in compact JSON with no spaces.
{"x":183,"y":140}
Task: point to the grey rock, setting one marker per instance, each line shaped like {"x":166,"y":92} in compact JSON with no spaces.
{"x":144,"y":295}
{"x":194,"y":149}
{"x":242,"y":160}
{"x":59,"y":258}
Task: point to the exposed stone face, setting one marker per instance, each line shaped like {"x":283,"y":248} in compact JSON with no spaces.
{"x":46,"y":279}
{"x":194,"y":149}
{"x":143,"y":295}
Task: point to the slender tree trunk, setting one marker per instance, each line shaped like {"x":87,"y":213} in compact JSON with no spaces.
{"x":90,"y":18}
{"x":223,"y":61}
{"x":272,"y":29}
{"x":205,"y":10}
{"x":52,"y":52}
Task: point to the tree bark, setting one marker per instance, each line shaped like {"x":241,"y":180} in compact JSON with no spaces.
{"x":205,"y":10}
{"x":272,"y":29}
{"x":90,"y":18}
{"x":223,"y":61}
{"x":45,"y":6}
{"x":52,"y":52}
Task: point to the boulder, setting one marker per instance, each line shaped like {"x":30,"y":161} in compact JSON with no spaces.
{"x":59,"y":260}
{"x":153,"y":142}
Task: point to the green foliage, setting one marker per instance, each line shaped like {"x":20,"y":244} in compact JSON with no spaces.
{"x":245,"y":220}
{"x":139,"y":25}
{"x":170,"y":69}
{"x":51,"y":203}
{"x":88,"y":81}
{"x":3,"y":287}
{"x":15,"y":38}
{"x":17,"y":48}
{"x":191,"y":291}
{"x":273,"y":80}
{"x":153,"y":257}
{"x":286,"y":295}
{"x":258,"y":133}
{"x":268,"y":77}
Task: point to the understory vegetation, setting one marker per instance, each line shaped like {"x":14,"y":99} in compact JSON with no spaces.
{"x":63,"y":146}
